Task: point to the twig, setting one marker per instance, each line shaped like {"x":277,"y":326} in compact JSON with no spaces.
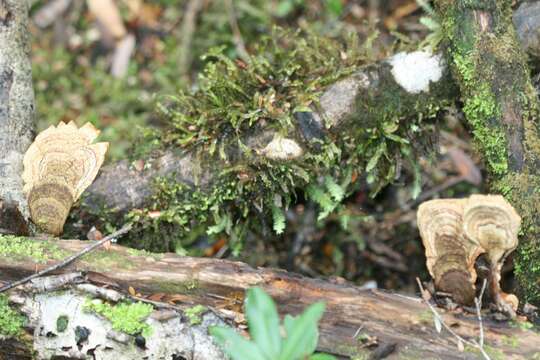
{"x":478,"y":303}
{"x":452,"y":332}
{"x":187,"y":30}
{"x":237,"y":35}
{"x":112,"y":237}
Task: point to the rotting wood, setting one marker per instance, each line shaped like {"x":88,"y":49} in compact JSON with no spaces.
{"x":353,"y":315}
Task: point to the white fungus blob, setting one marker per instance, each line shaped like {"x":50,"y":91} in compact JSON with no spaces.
{"x":281,"y":148}
{"x":414,"y":71}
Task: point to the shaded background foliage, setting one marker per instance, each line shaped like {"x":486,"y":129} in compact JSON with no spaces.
{"x":368,"y":239}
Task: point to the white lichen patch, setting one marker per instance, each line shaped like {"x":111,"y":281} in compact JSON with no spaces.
{"x":281,"y":148}
{"x":416,"y":70}
{"x":169,"y":339}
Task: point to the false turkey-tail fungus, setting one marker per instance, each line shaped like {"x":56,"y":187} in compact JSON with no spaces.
{"x":455,"y":232}
{"x":59,"y":165}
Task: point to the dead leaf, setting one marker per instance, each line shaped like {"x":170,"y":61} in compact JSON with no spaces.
{"x":465,"y":166}
{"x":94,"y":234}
{"x":157,"y":297}
{"x":108,"y":15}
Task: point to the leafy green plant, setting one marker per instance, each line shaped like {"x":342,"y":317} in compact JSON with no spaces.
{"x":268,"y":340}
{"x":432,"y":22}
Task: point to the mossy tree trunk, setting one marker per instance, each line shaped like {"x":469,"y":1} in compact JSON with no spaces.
{"x":501,"y":107}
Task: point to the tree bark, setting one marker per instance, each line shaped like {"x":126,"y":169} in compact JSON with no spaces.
{"x":16,"y":113}
{"x":354,"y":318}
{"x":501,"y":107}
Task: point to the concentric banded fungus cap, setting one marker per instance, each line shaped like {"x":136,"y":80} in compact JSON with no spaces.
{"x":456,"y":231}
{"x":59,"y":165}
{"x":447,"y":249}
{"x":492,"y":223}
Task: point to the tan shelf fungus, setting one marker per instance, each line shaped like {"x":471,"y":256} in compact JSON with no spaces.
{"x":59,"y":165}
{"x":456,"y":231}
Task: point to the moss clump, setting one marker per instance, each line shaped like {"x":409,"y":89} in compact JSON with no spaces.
{"x":492,"y":352}
{"x":103,"y":260}
{"x":17,"y":248}
{"x":194,"y":314}
{"x":144,"y":253}
{"x":481,"y":106}
{"x":125,"y":317}
{"x":287,"y":73}
{"x":516,"y":187}
{"x":11,"y":322}
{"x":61,"y":323}
{"x":265,"y":95}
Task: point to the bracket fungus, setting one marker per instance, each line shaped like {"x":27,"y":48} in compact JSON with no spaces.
{"x":455,"y":232}
{"x":59,"y":165}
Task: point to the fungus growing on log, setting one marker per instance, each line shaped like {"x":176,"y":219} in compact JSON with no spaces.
{"x":60,"y":164}
{"x":456,"y":231}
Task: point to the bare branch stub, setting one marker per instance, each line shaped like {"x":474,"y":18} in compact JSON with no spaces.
{"x":456,"y":231}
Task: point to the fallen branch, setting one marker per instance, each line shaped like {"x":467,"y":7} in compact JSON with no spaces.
{"x":383,"y":318}
{"x":109,"y":238}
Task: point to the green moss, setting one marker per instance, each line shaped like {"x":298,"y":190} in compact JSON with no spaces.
{"x":172,"y":287}
{"x":62,"y":323}
{"x":194,"y":314}
{"x":11,"y":322}
{"x":512,"y":341}
{"x":125,"y":317}
{"x":104,"y":260}
{"x":286,"y":75}
{"x":426,"y":317}
{"x":144,"y":253}
{"x":18,"y":248}
{"x":479,"y":108}
{"x":523,"y":191}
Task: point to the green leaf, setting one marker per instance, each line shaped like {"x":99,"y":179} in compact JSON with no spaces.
{"x":335,"y":7}
{"x":321,"y":356}
{"x":334,"y":189}
{"x":302,"y":333}
{"x":375,"y":158}
{"x":219,"y":226}
{"x":279,"y":220}
{"x":430,"y":23}
{"x":235,"y":345}
{"x":318,"y":195}
{"x":417,"y":183}
{"x":284,"y":8}
{"x":263,"y":322}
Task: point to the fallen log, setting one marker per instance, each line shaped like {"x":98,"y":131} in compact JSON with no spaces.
{"x":357,"y":322}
